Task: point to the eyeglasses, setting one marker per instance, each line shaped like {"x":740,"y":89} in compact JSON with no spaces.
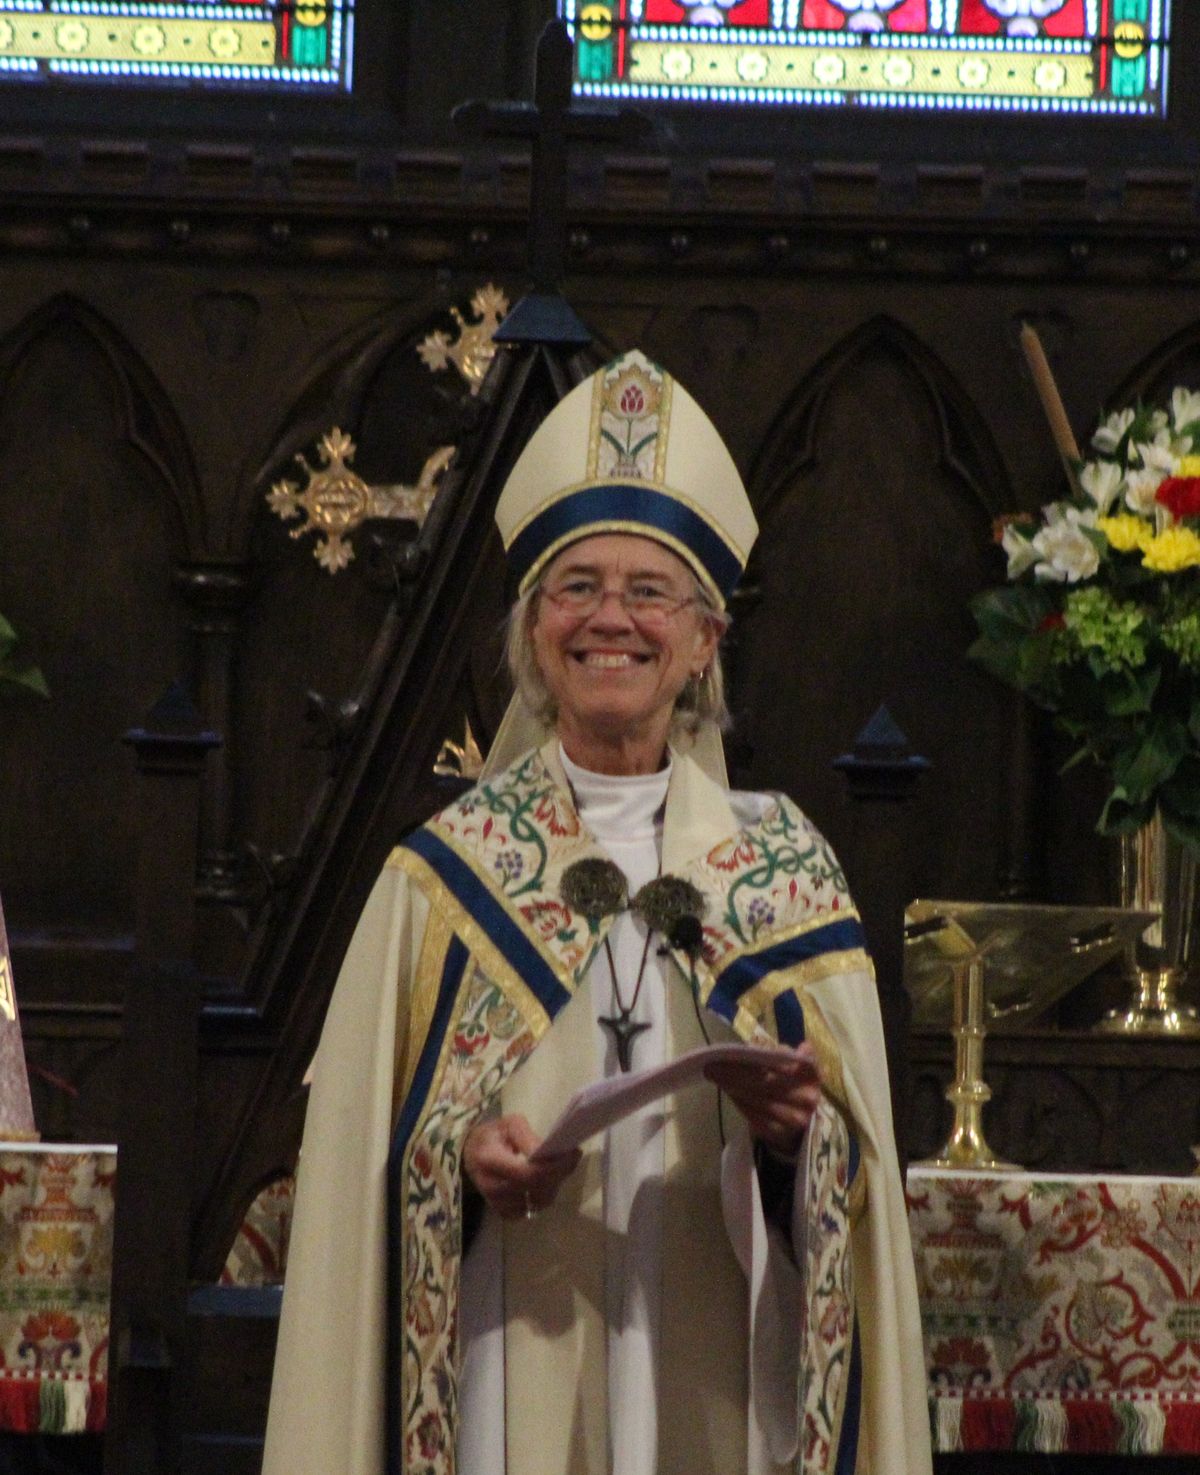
{"x":581,"y":598}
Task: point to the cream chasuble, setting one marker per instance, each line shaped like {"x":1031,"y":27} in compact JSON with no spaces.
{"x":609,"y":1229}
{"x":464,"y":961}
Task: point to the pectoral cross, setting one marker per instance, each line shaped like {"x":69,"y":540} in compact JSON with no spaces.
{"x":624,"y":1030}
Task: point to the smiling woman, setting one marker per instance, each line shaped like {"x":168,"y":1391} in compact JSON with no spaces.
{"x":615,"y":645}
{"x":602,"y":902}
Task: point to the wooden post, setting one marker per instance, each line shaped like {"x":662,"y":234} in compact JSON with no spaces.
{"x":882,"y":771}
{"x":159,"y":1067}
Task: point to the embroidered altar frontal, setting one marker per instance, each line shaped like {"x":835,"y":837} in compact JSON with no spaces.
{"x":56,"y":1227}
{"x":1060,"y":1314}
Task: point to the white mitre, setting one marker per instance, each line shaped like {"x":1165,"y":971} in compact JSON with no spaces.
{"x":627,"y":451}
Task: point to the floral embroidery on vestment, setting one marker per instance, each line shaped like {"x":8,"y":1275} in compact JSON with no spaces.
{"x":514,"y":837}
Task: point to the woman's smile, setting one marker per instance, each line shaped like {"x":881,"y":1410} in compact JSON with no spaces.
{"x":617,"y":634}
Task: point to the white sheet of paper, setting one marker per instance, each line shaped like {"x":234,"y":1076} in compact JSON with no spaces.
{"x":597,"y":1107}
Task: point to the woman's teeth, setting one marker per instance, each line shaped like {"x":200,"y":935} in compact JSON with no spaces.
{"x":608,"y":660}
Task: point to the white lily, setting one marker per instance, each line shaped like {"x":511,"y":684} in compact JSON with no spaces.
{"x":1185,"y":406}
{"x":1157,"y":454}
{"x":1108,"y":436}
{"x":1066,"y":554}
{"x":1102,"y":480}
{"x":1140,"y":489}
{"x":1022,"y":554}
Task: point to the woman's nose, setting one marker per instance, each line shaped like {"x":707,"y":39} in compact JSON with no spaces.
{"x":611,"y":611}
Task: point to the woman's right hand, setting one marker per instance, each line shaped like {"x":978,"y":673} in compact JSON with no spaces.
{"x":496,"y":1156}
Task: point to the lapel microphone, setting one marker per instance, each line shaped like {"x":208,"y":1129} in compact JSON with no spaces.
{"x":686,"y":934}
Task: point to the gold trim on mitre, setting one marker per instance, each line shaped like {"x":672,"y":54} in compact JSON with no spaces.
{"x":630,"y":425}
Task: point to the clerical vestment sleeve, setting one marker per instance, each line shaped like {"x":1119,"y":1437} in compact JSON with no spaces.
{"x":327,"y":1398}
{"x":894,"y":1437}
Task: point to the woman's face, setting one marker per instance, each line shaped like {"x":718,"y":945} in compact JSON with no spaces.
{"x":615,"y":670}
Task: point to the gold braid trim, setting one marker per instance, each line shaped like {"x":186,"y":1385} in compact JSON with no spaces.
{"x":481,"y":947}
{"x":757,"y":1001}
{"x":423,"y":1003}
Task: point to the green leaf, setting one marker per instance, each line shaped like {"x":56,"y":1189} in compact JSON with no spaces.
{"x":1121,"y":816}
{"x":1013,"y":611}
{"x":1126,"y":693}
{"x":1184,"y":828}
{"x":13,"y":672}
{"x":1138,"y":772}
{"x":1181,"y":794}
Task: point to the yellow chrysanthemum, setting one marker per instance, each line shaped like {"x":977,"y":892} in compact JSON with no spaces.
{"x":1173,"y":549}
{"x":1189,"y":466}
{"x":1125,"y":532}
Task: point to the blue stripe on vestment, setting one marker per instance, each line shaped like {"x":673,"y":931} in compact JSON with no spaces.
{"x":789,"y":1020}
{"x":750,"y":968}
{"x":453,"y":969}
{"x":847,"y":1455}
{"x":475,"y":898}
{"x":575,"y":513}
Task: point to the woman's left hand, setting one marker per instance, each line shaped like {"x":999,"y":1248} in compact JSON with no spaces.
{"x":777,"y":1101}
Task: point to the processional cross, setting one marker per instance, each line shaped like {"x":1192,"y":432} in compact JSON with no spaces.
{"x":542,"y":316}
{"x":551,"y":123}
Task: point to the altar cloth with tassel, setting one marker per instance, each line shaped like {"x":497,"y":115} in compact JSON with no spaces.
{"x":56,"y":1235}
{"x":1061,"y":1313}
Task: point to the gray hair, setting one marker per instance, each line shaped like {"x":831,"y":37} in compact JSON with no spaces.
{"x":701,"y":700}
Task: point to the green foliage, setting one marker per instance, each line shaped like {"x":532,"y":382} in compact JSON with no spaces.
{"x":1111,"y":632}
{"x":14,"y":671}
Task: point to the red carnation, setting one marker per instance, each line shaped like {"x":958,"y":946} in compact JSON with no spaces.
{"x":1180,"y":495}
{"x":1053,"y":621}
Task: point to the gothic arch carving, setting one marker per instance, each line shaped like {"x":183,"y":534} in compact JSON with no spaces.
{"x":97,"y":502}
{"x":965,"y":444}
{"x":1176,"y":360}
{"x":142,"y":415}
{"x":311,"y":630}
{"x":875,"y":492}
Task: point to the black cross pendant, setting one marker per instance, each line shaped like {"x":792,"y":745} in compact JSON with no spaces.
{"x":624,"y":1031}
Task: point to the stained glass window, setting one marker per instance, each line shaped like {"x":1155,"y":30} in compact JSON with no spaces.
{"x":1064,"y":56}
{"x":285,"y":44}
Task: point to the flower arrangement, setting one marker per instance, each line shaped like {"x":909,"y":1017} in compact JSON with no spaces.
{"x":1100,"y":620}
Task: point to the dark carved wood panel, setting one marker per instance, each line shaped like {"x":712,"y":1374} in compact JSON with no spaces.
{"x":875,"y":508}
{"x":94,"y":503}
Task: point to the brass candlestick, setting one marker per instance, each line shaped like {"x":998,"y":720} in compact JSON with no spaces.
{"x":1034,"y":955}
{"x":968,"y":1093}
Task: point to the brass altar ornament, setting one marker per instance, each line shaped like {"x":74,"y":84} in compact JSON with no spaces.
{"x":336,"y":501}
{"x":473,"y":350}
{"x":460,"y":760}
{"x":997,"y":961}
{"x":1159,"y":875}
{"x":968,"y":1092}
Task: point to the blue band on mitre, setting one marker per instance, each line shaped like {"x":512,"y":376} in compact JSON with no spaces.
{"x":592,"y":508}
